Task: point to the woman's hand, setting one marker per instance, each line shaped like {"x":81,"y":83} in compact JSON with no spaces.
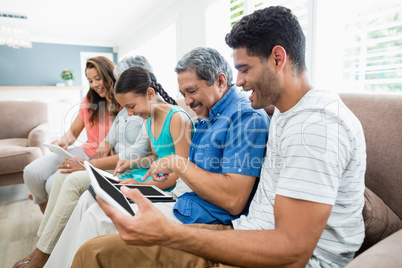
{"x":121,"y":166}
{"x":71,"y":165}
{"x":60,"y":143}
{"x":104,"y":149}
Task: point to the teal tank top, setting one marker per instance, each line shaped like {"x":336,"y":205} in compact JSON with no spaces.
{"x":163,"y":145}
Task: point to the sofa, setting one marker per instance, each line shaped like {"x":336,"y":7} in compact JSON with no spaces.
{"x":381,"y":118}
{"x":23,"y":129}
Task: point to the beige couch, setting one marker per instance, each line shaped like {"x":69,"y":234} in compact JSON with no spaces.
{"x":381,"y":117}
{"x":23,"y":129}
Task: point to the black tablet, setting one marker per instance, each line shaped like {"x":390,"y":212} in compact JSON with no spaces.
{"x":151,"y":192}
{"x":107,"y":191}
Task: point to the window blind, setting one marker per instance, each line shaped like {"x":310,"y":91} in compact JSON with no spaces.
{"x":373,"y":45}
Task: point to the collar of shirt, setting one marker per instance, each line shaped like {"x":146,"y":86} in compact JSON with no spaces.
{"x":220,"y":106}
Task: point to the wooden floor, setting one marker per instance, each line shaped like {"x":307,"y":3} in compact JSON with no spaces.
{"x":19,"y":222}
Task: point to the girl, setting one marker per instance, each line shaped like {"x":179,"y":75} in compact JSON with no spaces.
{"x":169,"y":127}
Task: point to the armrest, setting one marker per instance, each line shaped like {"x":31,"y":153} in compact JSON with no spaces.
{"x":386,"y":253}
{"x":38,"y":135}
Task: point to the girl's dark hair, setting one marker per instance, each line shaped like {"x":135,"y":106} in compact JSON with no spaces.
{"x":137,"y":80}
{"x":105,"y":70}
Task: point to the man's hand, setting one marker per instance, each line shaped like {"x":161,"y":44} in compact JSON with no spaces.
{"x":70,"y":165}
{"x":148,"y":227}
{"x":160,"y":170}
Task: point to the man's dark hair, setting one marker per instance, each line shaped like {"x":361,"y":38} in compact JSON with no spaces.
{"x":264,"y":29}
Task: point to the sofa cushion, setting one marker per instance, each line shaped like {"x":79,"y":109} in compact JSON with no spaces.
{"x":21,"y":117}
{"x":379,"y":220}
{"x":15,"y":155}
{"x":386,"y":253}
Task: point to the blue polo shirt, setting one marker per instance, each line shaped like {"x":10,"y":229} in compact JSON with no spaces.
{"x":231,"y":140}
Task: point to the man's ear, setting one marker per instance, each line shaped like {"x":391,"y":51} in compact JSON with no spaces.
{"x":221,"y":81}
{"x":278,"y":56}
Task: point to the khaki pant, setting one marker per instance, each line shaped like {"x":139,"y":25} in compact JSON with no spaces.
{"x":111,"y":251}
{"x":40,"y":174}
{"x":65,"y":193}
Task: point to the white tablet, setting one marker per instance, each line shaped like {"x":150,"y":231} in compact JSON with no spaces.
{"x":107,"y":175}
{"x":107,"y":191}
{"x":58,"y":150}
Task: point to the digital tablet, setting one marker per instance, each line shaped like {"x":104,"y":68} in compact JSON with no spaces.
{"x":151,"y":192}
{"x":107,"y":175}
{"x":107,"y":191}
{"x":58,"y":150}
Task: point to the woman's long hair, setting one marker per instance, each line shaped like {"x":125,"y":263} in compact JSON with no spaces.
{"x":105,"y":70}
{"x":137,"y":80}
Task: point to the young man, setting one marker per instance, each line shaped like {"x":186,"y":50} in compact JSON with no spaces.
{"x":307,"y":210}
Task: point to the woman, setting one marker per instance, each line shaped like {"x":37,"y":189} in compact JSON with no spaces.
{"x":96,"y":114}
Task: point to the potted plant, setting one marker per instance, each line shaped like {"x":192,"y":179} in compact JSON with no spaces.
{"x":67,"y":76}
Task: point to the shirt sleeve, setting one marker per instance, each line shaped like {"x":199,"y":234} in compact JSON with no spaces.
{"x":111,"y":135}
{"x":140,"y":148}
{"x":245,"y":143}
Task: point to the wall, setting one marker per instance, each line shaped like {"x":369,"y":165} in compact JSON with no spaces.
{"x":190,"y":20}
{"x":37,"y":69}
{"x":164,"y":37}
{"x":42,"y":64}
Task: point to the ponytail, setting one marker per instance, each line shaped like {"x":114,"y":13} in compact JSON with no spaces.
{"x":158,"y":88}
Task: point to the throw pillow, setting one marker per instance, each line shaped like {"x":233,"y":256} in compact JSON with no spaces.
{"x":379,"y":220}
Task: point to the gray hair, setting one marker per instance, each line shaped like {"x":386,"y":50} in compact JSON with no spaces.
{"x":131,"y":61}
{"x":207,"y":63}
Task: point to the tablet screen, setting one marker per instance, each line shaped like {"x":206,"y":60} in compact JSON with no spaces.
{"x":145,"y":190}
{"x":112,"y":191}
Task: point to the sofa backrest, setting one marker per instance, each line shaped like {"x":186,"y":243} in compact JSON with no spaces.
{"x":381,"y":118}
{"x":18,"y":118}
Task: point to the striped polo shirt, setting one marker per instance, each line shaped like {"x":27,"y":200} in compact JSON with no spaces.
{"x":315,"y":151}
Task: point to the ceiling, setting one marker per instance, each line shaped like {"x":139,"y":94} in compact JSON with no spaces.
{"x":84,"y":22}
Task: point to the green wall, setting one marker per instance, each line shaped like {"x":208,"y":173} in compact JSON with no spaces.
{"x":42,"y":64}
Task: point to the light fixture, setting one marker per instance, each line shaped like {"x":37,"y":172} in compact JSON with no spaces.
{"x":14,"y":30}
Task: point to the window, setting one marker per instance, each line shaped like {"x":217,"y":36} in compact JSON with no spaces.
{"x":373,"y":45}
{"x":218,"y":14}
{"x":351,"y":45}
{"x":301,"y":8}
